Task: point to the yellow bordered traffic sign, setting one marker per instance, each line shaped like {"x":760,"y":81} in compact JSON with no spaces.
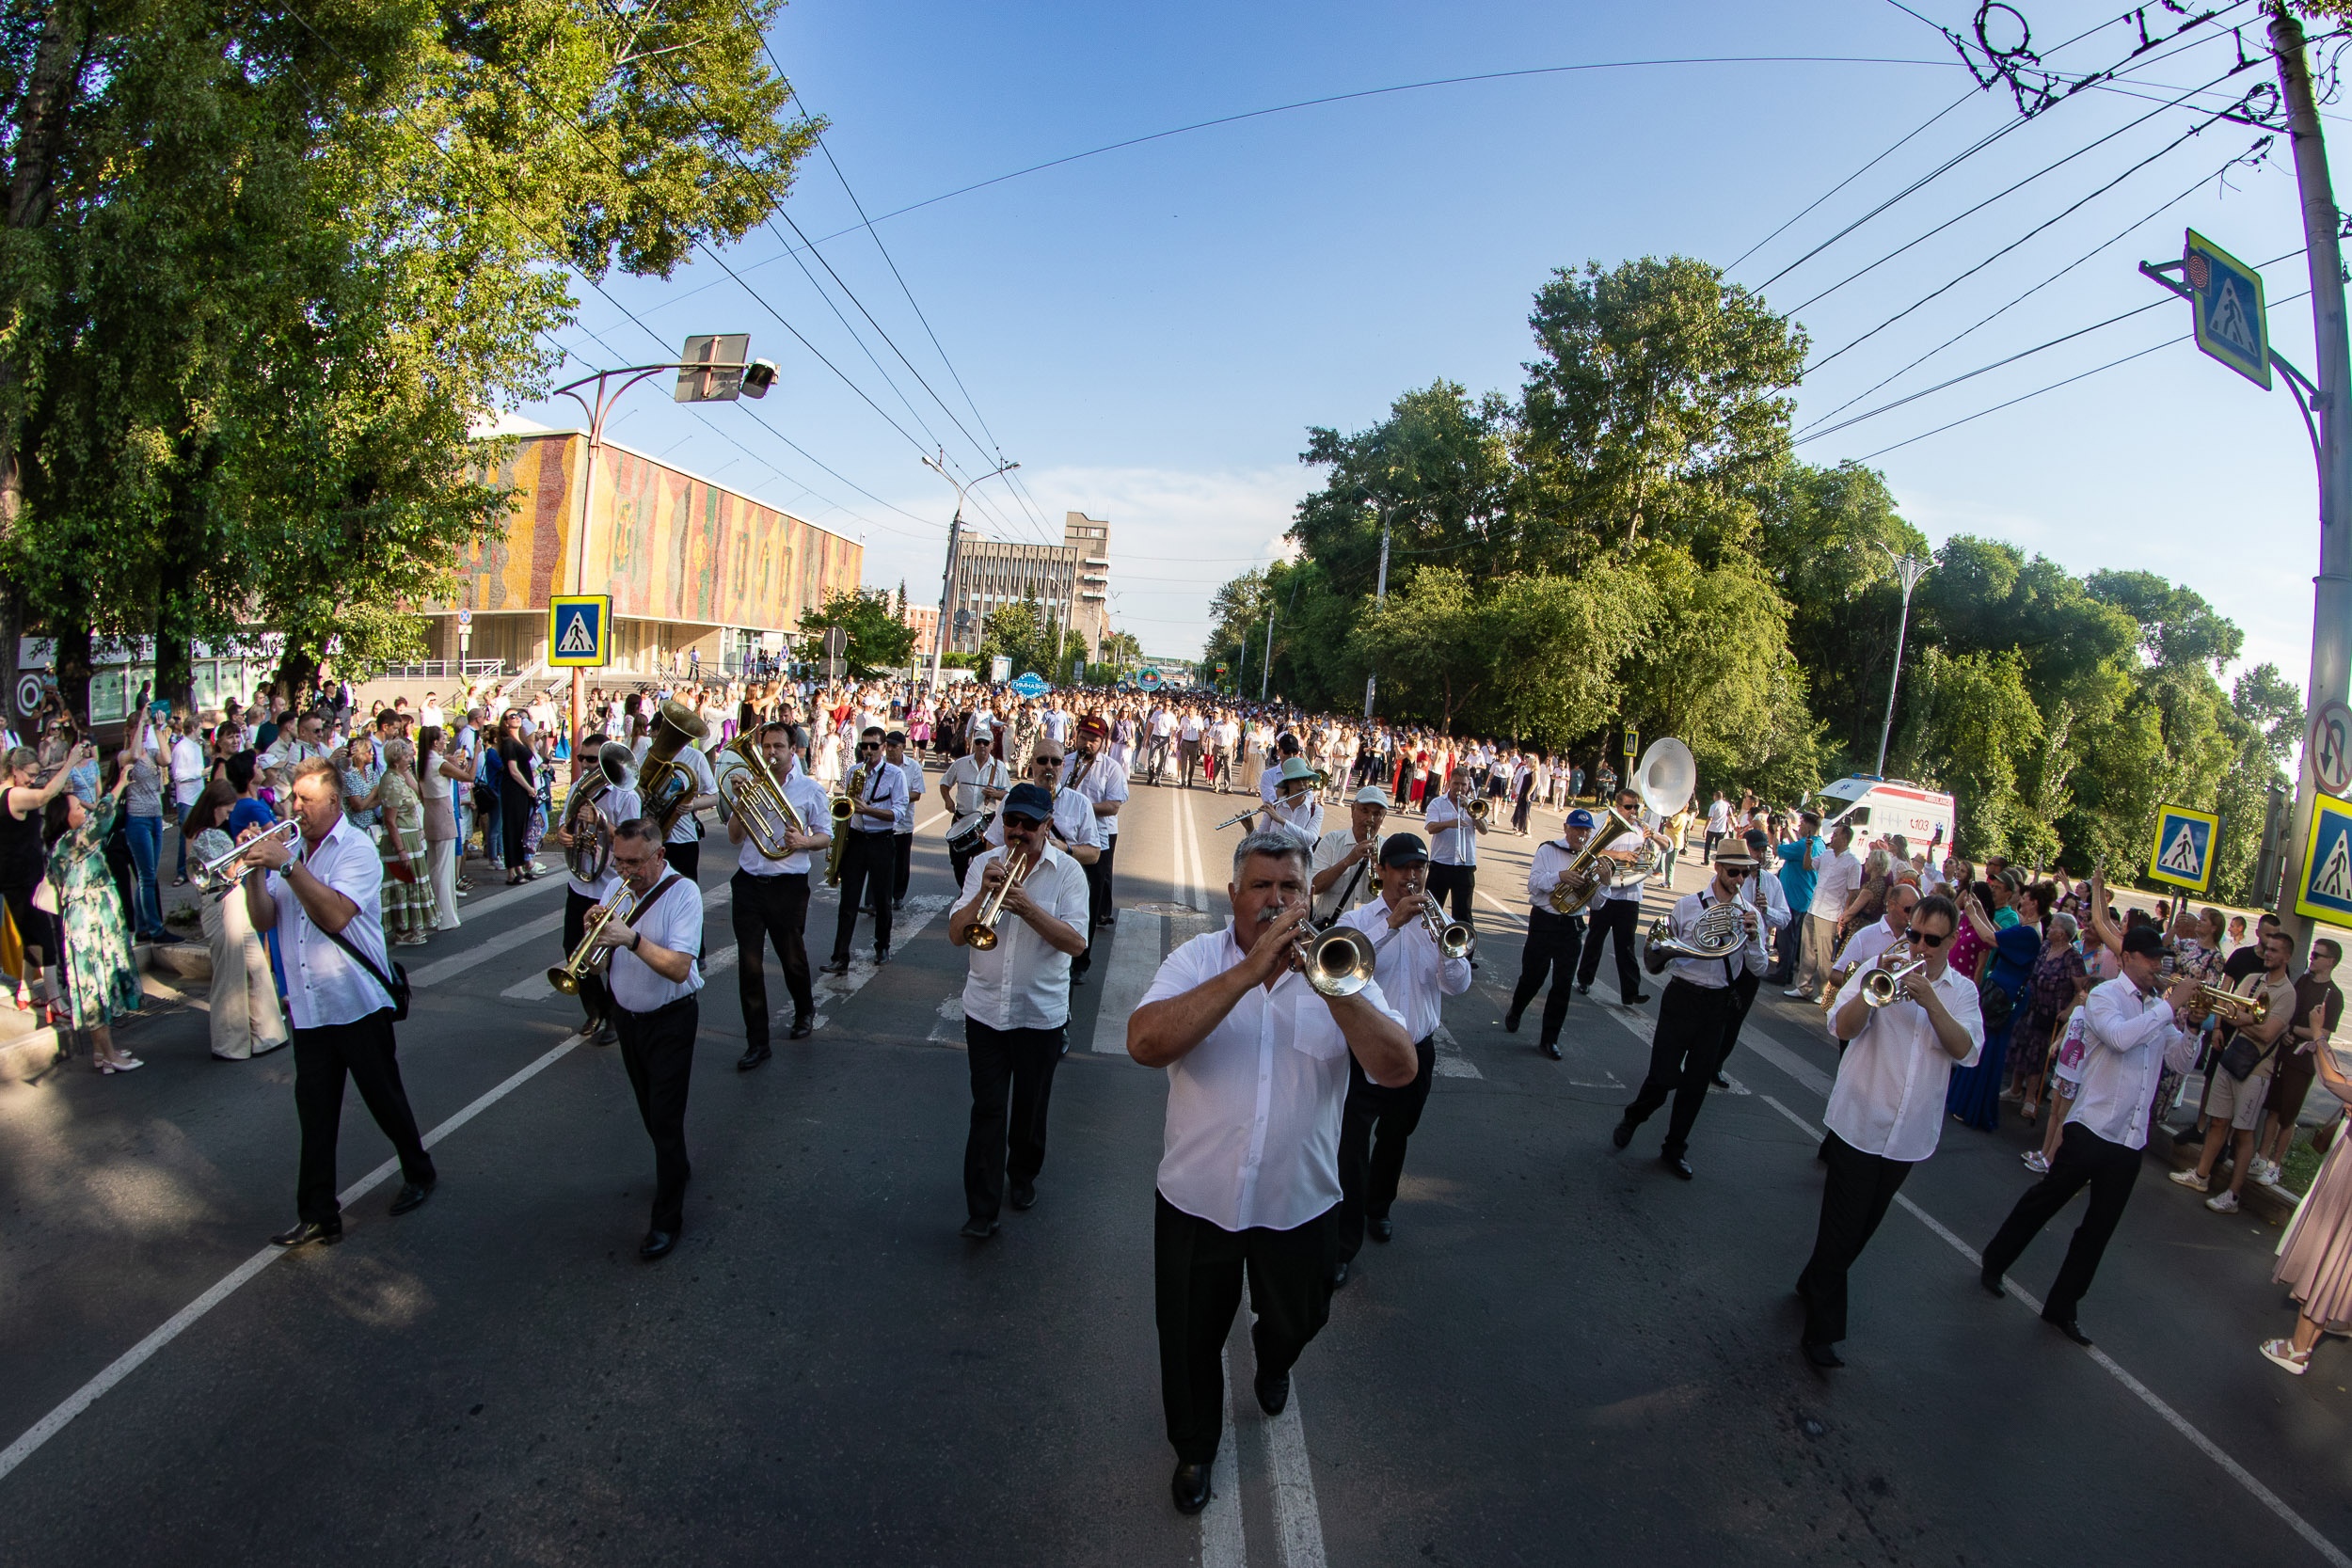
{"x":580,"y":630}
{"x":2323,"y":887}
{"x":2226,"y":303}
{"x":2182,"y":856}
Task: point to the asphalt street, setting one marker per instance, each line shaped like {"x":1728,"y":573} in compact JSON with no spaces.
{"x":1565,"y":1354}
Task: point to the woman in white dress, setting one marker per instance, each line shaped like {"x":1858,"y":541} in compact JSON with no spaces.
{"x":828,"y":770}
{"x":246,"y":1020}
{"x":440,"y":826}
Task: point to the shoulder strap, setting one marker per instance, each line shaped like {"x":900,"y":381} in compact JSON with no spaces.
{"x":361,"y":958}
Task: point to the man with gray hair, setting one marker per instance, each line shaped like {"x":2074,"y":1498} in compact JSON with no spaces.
{"x":1257,"y":1075}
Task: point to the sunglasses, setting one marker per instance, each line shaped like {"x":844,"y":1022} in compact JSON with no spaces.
{"x":1045,"y":762}
{"x":868,"y":746}
{"x":1920,"y":939}
{"x":1735,"y":872}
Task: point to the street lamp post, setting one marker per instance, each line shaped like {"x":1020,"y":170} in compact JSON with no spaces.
{"x":955,"y":538}
{"x":1910,"y":568}
{"x":1379,"y":600}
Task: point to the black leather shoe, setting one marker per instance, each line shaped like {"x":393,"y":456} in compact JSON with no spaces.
{"x":1621,"y":1134}
{"x":1721,"y":1081}
{"x":1274,"y":1393}
{"x":1380,"y":1229}
{"x":412,"y":1195}
{"x":309,"y":1231}
{"x":1189,"y":1486}
{"x":882,"y":956}
{"x":1510,"y":1023}
{"x":2069,"y":1327}
{"x":1823,"y":1357}
{"x":1677,"y":1164}
{"x":839,"y":966}
{"x":1583,"y":990}
{"x":1992,"y":1283}
{"x":800,"y":1030}
{"x":605,"y":1035}
{"x":752,"y":1057}
{"x":1549,"y":1048}
{"x":658,"y":1244}
{"x":1339,"y":1275}
{"x":1637,"y":999}
{"x":1023,"y":1195}
{"x":977,"y":1229}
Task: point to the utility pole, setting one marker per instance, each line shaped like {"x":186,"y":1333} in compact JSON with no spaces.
{"x":1380,"y":601}
{"x":1265,"y":665}
{"x":1911,"y":568}
{"x":955,"y":540}
{"x":2331,"y":591}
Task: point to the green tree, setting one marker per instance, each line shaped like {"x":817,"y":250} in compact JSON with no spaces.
{"x":1971,"y":728}
{"x":878,"y":640}
{"x":1437,"y":470}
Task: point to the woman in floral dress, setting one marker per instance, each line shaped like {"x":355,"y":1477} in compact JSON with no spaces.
{"x":102,"y":979}
{"x":408,"y":896}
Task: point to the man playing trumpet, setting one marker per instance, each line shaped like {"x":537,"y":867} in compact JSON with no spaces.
{"x":1344,"y":859}
{"x":1022,"y":918}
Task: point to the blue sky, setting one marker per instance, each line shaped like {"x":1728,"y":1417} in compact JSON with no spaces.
{"x":1151,"y":331}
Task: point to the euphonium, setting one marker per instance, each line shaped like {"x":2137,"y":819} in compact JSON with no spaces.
{"x":1455,"y":939}
{"x":844,"y":808}
{"x":663,"y":788}
{"x":982,"y":932}
{"x":585,"y":818}
{"x":585,"y":959}
{"x":751,"y":790}
{"x":1581,"y":880}
{"x":215,"y":880}
{"x":1882,"y":986}
{"x":1721,"y":931}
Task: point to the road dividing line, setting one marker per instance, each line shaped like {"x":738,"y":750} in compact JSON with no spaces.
{"x":1134,"y":958}
{"x":235,"y":1279}
{"x":1189,"y":833}
{"x":1452,"y":1063}
{"x":1298,"y":1522}
{"x":1221,"y":1539}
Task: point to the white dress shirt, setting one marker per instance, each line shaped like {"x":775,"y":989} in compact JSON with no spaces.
{"x":1710,"y":973}
{"x":1773,"y":913}
{"x":1864,"y":945}
{"x":1889,"y":1098}
{"x":2129,"y":1040}
{"x":1253,"y":1111}
{"x":1100,"y":781}
{"x":911,"y":772}
{"x":1074,"y":820}
{"x":810,"y":799}
{"x":1718,"y":818}
{"x":1627,"y":886}
{"x":1330,"y":850}
{"x":618,"y":804}
{"x":1452,"y":839}
{"x":1543,"y":872}
{"x":188,"y":771}
{"x":884,"y":786}
{"x":1841,"y":873}
{"x":324,"y":985}
{"x":1414,"y":977}
{"x":674,"y":921}
{"x":1024,"y":981}
{"x":1305,"y":818}
{"x":961,"y":788}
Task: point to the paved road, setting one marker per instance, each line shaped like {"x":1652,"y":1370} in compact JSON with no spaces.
{"x":1565,"y":1354}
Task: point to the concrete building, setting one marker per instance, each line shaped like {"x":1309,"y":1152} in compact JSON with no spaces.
{"x":692,"y":567}
{"x":924,"y":618}
{"x":1070,"y":581}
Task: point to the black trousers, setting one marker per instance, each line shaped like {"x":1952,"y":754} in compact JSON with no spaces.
{"x":596,"y":997}
{"x":1374,"y":1129}
{"x":771,"y":910}
{"x":364,"y":1051}
{"x":1188,"y":752}
{"x":1007,"y":1064}
{"x":1743,"y":989}
{"x":1519,"y":813}
{"x":1553,"y":942}
{"x":904,"y":869}
{"x":1455,"y":886}
{"x":657,"y":1052}
{"x":1860,"y":1188}
{"x":1196,"y":1285}
{"x":959,"y":865}
{"x":1099,"y":883}
{"x":2084,"y":1159}
{"x":686,"y":858}
{"x":865,"y":870}
{"x":1707,"y":850}
{"x":1617,"y":918}
{"x":513,"y":817}
{"x":1682,"y":1057}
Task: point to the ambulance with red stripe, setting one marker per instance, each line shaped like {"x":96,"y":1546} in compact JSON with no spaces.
{"x":1875,"y":807}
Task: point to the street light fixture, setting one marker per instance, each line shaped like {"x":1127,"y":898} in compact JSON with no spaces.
{"x":1910,"y":568}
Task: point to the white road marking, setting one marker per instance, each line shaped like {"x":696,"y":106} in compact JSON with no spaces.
{"x":228,"y":1284}
{"x":1222,"y":1542}
{"x":949,"y":1029}
{"x":1134,"y":958}
{"x":1188,"y":832}
{"x":1451,"y":1062}
{"x":2147,"y":1396}
{"x":1298,"y":1522}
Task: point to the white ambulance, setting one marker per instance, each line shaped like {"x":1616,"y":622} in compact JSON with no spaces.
{"x":1876,"y":807}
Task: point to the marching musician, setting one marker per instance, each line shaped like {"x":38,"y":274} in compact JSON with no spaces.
{"x":1103,"y":781}
{"x":1454,"y":832}
{"x":1296,"y":806}
{"x":596,"y":758}
{"x":770,"y":902}
{"x":1701,"y":1001}
{"x":1346,"y":861}
{"x":1016,"y":998}
{"x":1617,"y":912}
{"x":867,"y":864}
{"x":903,"y":831}
{"x":325,"y":908}
{"x":1554,"y":939}
{"x":1864,"y":945}
{"x":1886,"y":1112}
{"x":685,"y":847}
{"x":1249,"y":1169}
{"x":1416,"y":976}
{"x":654,"y":978}
{"x":1076,"y":831}
{"x":973,"y":783}
{"x":1763,"y":896}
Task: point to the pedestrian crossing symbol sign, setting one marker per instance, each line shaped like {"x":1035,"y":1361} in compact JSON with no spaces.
{"x":2324,"y":890}
{"x":2226,"y":301}
{"x":2182,"y":854}
{"x":580,"y":630}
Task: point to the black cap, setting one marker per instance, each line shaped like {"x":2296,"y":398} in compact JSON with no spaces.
{"x":2144,"y":940}
{"x":1404,"y":849}
{"x":1030,"y":801}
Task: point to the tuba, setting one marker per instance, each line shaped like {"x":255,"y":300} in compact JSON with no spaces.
{"x":750,"y":788}
{"x":1664,"y":779}
{"x":590,"y":826}
{"x":666,"y":789}
{"x":1721,"y":931}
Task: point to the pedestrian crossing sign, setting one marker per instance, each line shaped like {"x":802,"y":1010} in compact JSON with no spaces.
{"x":2324,"y":890}
{"x":580,"y":630}
{"x":2226,"y":304}
{"x":2182,"y":854}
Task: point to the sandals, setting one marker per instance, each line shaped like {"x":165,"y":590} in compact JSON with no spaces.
{"x":2282,"y":1355}
{"x":125,"y":1064}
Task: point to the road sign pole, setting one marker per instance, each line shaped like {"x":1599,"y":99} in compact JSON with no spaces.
{"x":2330,"y":678}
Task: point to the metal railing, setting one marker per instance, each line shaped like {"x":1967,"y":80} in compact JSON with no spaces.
{"x":445,"y":669}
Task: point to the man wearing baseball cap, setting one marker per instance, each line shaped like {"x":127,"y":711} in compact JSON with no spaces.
{"x":1554,"y":940}
{"x":1344,"y":858}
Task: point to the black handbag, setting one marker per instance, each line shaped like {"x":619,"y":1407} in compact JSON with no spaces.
{"x":396,"y":988}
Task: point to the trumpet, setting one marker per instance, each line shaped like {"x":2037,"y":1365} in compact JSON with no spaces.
{"x":2238,"y":1011}
{"x":981,"y":932}
{"x":1454,"y":940}
{"x":585,"y":960}
{"x":1337,"y":962}
{"x":1884,"y":986}
{"x":214,"y":880}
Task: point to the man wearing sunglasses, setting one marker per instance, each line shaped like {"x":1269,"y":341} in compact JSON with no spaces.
{"x":1887,"y":1109}
{"x":1701,"y":1002}
{"x":1074,"y":829}
{"x":868,"y":859}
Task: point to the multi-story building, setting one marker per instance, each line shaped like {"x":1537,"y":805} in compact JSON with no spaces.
{"x":924,"y":618}
{"x":1070,"y":581}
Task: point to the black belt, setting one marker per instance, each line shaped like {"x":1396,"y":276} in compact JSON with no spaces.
{"x":665,"y":1011}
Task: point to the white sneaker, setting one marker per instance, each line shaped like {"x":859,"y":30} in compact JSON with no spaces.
{"x":2223,"y":1202}
{"x":1795,"y":990}
{"x":2190,"y":1179}
{"x":2037,"y":1162}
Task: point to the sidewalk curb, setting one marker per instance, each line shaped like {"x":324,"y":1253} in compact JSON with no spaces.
{"x":161,"y":967}
{"x":2275,"y":1204}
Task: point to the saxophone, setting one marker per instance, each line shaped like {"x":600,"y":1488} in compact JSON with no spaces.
{"x":844,"y":808}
